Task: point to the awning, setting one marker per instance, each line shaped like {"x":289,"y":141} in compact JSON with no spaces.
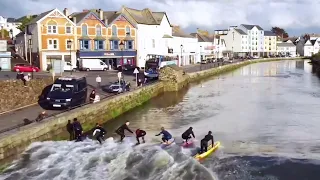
{"x":128,"y":38}
{"x":85,"y":38}
{"x":114,"y":38}
{"x":99,"y":38}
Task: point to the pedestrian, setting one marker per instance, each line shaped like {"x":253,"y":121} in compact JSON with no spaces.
{"x":26,"y":78}
{"x":98,"y":80}
{"x":70,"y":130}
{"x":92,"y":96}
{"x":41,"y":116}
{"x":77,"y":130}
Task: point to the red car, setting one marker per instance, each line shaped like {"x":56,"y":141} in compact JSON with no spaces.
{"x":25,"y":68}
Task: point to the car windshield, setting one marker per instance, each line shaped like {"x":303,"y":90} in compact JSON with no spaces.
{"x":114,"y":87}
{"x":61,"y":90}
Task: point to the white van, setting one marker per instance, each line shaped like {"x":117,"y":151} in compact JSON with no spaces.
{"x":93,"y":65}
{"x":68,"y":67}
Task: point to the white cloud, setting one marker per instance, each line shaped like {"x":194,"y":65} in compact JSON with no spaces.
{"x":210,"y":14}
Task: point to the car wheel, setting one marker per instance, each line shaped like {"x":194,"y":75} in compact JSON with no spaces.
{"x":34,"y":70}
{"x":87,"y":69}
{"x":74,"y":70}
{"x":17,"y":70}
{"x":104,"y":69}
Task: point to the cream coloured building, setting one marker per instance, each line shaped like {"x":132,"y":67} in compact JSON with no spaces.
{"x":270,"y":43}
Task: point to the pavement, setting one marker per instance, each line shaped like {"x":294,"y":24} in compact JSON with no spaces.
{"x":15,"y":118}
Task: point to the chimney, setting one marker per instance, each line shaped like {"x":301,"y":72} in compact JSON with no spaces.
{"x":85,"y":10}
{"x":74,"y":20}
{"x":66,"y":12}
{"x":106,"y":20}
{"x":101,"y":14}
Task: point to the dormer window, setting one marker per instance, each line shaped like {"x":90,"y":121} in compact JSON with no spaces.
{"x":52,"y":27}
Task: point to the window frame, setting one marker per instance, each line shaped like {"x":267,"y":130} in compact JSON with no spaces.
{"x":66,"y":29}
{"x":97,"y":45}
{"x":112,"y":45}
{"x":114,"y":30}
{"x":51,"y":44}
{"x":86,"y":30}
{"x":99,"y":27}
{"x":68,"y":48}
{"x":82,"y":44}
{"x":51,"y":29}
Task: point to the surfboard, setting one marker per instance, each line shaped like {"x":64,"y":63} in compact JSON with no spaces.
{"x":171,"y":141}
{"x":188,"y":145}
{"x":209,"y":151}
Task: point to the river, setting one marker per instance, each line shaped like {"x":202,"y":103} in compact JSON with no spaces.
{"x":266,"y":116}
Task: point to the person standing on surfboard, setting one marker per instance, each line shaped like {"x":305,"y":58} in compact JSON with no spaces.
{"x":166,"y":136}
{"x":204,"y":142}
{"x":140,"y":134}
{"x":121,"y":129}
{"x":187,"y":134}
{"x":100,"y":131}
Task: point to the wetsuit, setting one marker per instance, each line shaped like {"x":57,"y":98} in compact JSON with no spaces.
{"x":204,"y":142}
{"x":166,"y":135}
{"x":70,"y":131}
{"x":101,"y":132}
{"x":77,"y":130}
{"x":121,"y":129}
{"x":140,"y":134}
{"x":187,"y":135}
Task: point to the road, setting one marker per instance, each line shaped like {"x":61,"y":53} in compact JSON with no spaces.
{"x":12,"y":119}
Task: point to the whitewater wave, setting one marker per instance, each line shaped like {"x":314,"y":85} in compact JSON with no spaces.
{"x":65,"y":160}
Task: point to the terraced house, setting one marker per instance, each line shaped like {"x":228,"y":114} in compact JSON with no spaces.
{"x":50,"y":39}
{"x":270,"y":43}
{"x":105,"y":35}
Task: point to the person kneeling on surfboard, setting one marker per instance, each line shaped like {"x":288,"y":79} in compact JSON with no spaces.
{"x":121,"y":129}
{"x":166,"y":136}
{"x":140,"y":134}
{"x":100,"y":131}
{"x":204,"y":142}
{"x":187,"y":134}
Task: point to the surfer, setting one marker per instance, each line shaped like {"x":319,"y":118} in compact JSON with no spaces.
{"x":204,"y":142}
{"x":187,"y":134}
{"x":166,"y":136}
{"x":140,"y":134}
{"x":121,"y":129}
{"x":100,"y":131}
{"x":77,"y":129}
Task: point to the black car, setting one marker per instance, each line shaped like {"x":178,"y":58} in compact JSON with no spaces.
{"x":118,"y":88}
{"x":67,"y":92}
{"x":127,"y":68}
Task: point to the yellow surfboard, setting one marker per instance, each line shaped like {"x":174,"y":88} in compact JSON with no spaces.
{"x":209,"y":151}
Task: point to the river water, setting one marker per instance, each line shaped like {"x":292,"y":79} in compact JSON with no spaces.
{"x":265,"y":115}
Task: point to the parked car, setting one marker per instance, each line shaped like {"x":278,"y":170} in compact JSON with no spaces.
{"x":127,"y":68}
{"x":25,"y":68}
{"x":118,"y":88}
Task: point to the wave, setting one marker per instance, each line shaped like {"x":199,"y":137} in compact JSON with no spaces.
{"x":65,"y":160}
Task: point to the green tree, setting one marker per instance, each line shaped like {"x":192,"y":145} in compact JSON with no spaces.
{"x":5,"y":32}
{"x":24,"y":21}
{"x":280,"y":32}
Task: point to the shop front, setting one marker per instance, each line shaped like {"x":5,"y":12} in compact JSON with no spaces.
{"x":5,"y":61}
{"x":113,"y":59}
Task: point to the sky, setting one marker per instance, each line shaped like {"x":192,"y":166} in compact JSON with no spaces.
{"x":295,"y":16}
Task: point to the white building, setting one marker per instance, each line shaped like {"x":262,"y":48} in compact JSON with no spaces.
{"x":311,"y":47}
{"x":205,"y":44}
{"x":185,"y":47}
{"x":255,"y":38}
{"x":236,"y":41}
{"x":154,"y":34}
{"x":10,"y":24}
{"x":286,"y":48}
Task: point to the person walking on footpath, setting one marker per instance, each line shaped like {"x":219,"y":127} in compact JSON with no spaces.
{"x":77,"y":129}
{"x":98,"y":80}
{"x":70,"y":130}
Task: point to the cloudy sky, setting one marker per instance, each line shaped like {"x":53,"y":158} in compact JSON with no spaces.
{"x":296,"y":16}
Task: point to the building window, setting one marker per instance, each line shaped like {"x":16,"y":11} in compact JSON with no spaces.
{"x":114,"y":45}
{"x":128,"y":33}
{"x":53,"y":44}
{"x":99,"y":45}
{"x":114,"y":31}
{"x":84,"y":30}
{"x":52,"y":29}
{"x":84,"y":44}
{"x":69,"y":46}
{"x":98,"y":30}
{"x":68,"y":28}
{"x":153,"y":43}
{"x":129,"y":44}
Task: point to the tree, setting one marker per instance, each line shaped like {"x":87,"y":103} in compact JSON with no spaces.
{"x":5,"y":32}
{"x":280,"y":32}
{"x":306,"y":37}
{"x":24,"y":21}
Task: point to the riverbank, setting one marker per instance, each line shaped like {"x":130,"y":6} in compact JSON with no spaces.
{"x":15,"y":142}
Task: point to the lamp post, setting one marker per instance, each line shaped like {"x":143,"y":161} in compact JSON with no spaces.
{"x":30,"y":50}
{"x":121,"y":48}
{"x":181,"y":47}
{"x":69,"y":42}
{"x":200,"y":58}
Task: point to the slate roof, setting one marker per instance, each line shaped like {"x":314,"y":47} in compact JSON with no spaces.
{"x":202,"y":37}
{"x":12,"y":20}
{"x":110,"y":15}
{"x":79,"y":15}
{"x":269,"y":33}
{"x":240,"y":31}
{"x":249,"y":27}
{"x":313,"y":41}
{"x":284,"y":44}
{"x":178,"y":32}
{"x":39,"y":16}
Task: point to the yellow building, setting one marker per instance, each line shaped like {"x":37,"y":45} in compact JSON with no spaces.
{"x":50,"y":37}
{"x":270,"y":43}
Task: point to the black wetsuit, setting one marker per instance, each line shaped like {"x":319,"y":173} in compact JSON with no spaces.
{"x":187,"y":134}
{"x":121,"y":129}
{"x":77,"y":130}
{"x":140,"y":134}
{"x":204,"y":142}
{"x":70,"y":131}
{"x":101,"y":132}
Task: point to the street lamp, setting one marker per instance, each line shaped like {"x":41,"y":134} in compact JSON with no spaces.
{"x":121,"y":48}
{"x":181,"y":47}
{"x":69,"y":42}
{"x":30,"y":50}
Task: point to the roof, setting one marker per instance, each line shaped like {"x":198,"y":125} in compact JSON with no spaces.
{"x":178,"y":32}
{"x":145,"y":16}
{"x":40,"y":16}
{"x":240,"y":31}
{"x":12,"y":20}
{"x":79,"y":15}
{"x":202,"y":37}
{"x":111,"y":15}
{"x":284,"y":44}
{"x":249,"y":27}
{"x":269,"y":33}
{"x":313,"y":41}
